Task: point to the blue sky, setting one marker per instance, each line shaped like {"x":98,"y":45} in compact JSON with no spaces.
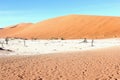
{"x":18,"y":11}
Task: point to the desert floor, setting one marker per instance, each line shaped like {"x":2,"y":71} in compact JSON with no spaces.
{"x":60,"y":59}
{"x":100,"y":64}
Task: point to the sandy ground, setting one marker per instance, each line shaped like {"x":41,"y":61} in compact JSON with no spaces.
{"x":60,"y":60}
{"x":100,"y":64}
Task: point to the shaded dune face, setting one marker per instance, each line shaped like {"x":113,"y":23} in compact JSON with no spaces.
{"x":68,"y":27}
{"x":16,"y":29}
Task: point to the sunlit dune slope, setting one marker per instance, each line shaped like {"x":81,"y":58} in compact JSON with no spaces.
{"x":69,"y":27}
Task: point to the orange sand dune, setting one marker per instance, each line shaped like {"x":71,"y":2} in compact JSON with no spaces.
{"x":9,"y":31}
{"x":70,"y":27}
{"x":103,"y":64}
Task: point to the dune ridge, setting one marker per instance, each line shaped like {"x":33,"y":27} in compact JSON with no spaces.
{"x":68,"y":27}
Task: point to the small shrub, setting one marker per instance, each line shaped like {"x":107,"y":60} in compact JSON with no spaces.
{"x":53,"y":38}
{"x":25,"y":39}
{"x":34,"y":38}
{"x":62,"y":39}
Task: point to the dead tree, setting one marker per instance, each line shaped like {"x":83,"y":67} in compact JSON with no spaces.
{"x":92,"y":43}
{"x":85,"y":40}
{"x":6,"y":40}
{"x":24,"y":42}
{"x":2,"y":44}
